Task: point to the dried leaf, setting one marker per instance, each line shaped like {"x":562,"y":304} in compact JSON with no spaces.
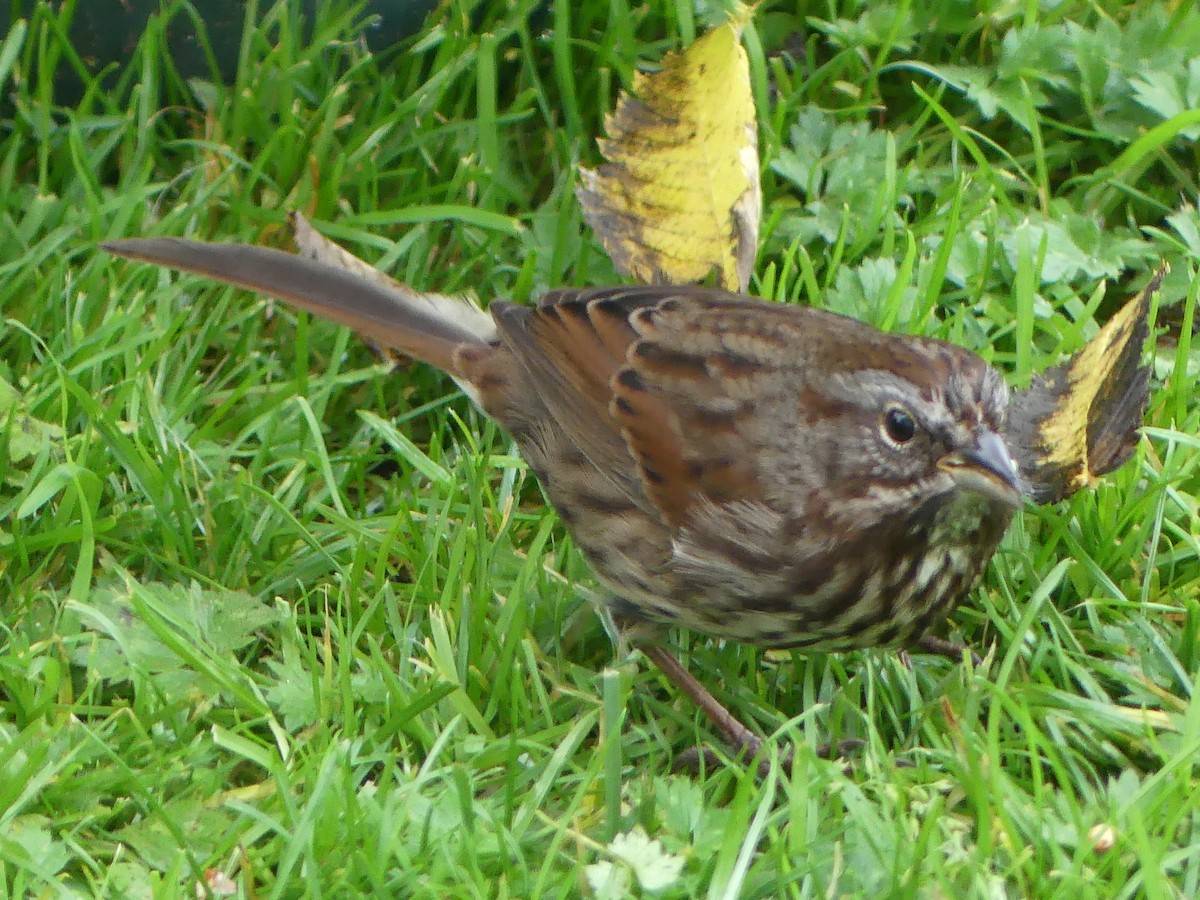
{"x":216,"y":884}
{"x":313,"y":245}
{"x":680,"y":195}
{"x":1079,"y":420}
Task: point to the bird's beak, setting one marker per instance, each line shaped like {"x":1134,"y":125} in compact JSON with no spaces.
{"x":986,"y":468}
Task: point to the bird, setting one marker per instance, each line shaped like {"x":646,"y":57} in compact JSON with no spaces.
{"x":763,"y":473}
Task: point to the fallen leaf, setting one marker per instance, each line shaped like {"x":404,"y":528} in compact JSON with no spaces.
{"x":679,"y":194}
{"x":312,"y":244}
{"x":1080,"y":420}
{"x":1103,"y":837}
{"x":217,"y":883}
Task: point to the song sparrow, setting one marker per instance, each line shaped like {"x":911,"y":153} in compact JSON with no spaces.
{"x":763,"y":473}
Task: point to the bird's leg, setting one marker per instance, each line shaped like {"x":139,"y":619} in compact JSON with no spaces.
{"x":952,"y":650}
{"x":628,"y":630}
{"x":737,"y":734}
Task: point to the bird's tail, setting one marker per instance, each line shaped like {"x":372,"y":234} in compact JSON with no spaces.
{"x":429,"y":327}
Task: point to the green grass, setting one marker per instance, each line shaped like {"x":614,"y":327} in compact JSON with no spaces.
{"x":268,"y":608}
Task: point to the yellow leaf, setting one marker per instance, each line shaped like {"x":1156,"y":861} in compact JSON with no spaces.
{"x":1079,"y":420}
{"x":679,"y":195}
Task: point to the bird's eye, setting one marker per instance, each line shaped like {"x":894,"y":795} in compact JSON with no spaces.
{"x":898,"y":425}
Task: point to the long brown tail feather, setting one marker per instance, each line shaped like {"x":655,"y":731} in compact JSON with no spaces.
{"x":388,"y":316}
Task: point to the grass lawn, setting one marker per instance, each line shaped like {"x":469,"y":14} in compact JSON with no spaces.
{"x":272,"y":612}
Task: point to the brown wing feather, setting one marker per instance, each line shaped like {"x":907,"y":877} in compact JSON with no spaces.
{"x":685,"y":415}
{"x":585,"y":357}
{"x":653,"y":436}
{"x":583,"y":350}
{"x":571,"y":360}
